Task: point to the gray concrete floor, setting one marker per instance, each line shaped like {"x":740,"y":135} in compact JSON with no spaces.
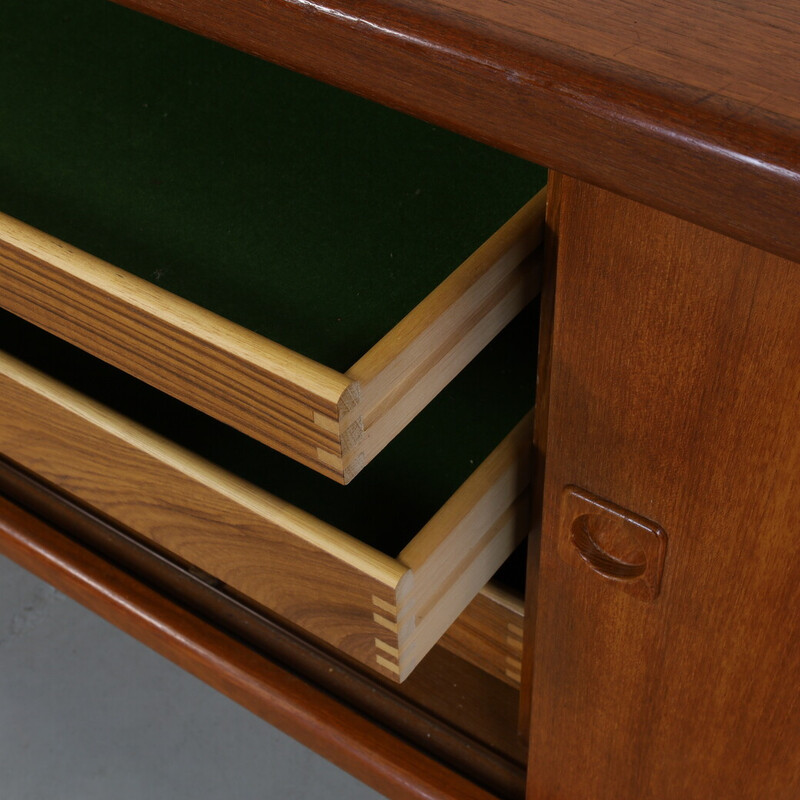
{"x":87,"y":712}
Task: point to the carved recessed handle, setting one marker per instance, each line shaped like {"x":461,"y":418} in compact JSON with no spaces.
{"x":612,"y":541}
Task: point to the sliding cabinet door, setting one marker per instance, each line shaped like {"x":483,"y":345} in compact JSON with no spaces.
{"x":667,"y":647}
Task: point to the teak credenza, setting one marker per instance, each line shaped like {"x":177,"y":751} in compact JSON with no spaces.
{"x":661,"y":654}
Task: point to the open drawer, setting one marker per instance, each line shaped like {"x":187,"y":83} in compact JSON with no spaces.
{"x":300,"y":263}
{"x":386,"y":611}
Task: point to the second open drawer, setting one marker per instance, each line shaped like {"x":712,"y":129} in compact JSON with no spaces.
{"x":386,"y":611}
{"x":302,"y":264}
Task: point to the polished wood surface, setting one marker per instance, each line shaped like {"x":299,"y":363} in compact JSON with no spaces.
{"x":689,"y":107}
{"x":678,"y":394}
{"x":449,"y":708}
{"x":311,"y":716}
{"x":715,"y":47}
{"x":674,"y":370}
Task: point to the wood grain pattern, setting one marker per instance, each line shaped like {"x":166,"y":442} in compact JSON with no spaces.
{"x":278,"y":555}
{"x":308,"y":411}
{"x":452,"y":710}
{"x":386,"y":613}
{"x":430,"y":612}
{"x":675,"y":394}
{"x":239,"y":377}
{"x":688,"y":107}
{"x":488,"y":633}
{"x":352,"y":741}
{"x":715,"y":47}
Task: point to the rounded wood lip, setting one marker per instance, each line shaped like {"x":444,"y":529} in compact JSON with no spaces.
{"x":702,"y":152}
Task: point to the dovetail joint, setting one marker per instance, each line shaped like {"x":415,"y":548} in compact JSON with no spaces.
{"x":515,"y":630}
{"x":350,"y":398}
{"x":514,"y":664}
{"x":516,"y":677}
{"x":384,"y":605}
{"x":386,"y":664}
{"x":354,"y":467}
{"x":387,"y":648}
{"x":386,"y":623}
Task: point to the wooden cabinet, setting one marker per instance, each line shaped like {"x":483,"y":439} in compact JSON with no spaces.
{"x":662,"y":626}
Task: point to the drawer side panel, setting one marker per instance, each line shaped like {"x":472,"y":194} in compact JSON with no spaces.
{"x":282,"y":558}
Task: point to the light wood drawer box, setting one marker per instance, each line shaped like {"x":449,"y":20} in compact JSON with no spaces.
{"x":386,"y":611}
{"x":303,"y":265}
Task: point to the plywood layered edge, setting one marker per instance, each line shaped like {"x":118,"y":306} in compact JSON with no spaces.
{"x":304,"y":409}
{"x":372,"y":607}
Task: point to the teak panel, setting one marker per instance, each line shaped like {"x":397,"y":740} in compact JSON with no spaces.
{"x":675,"y":394}
{"x":688,"y":107}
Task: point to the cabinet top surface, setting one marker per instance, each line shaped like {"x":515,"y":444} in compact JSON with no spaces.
{"x":739,"y":51}
{"x":692,"y":107}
